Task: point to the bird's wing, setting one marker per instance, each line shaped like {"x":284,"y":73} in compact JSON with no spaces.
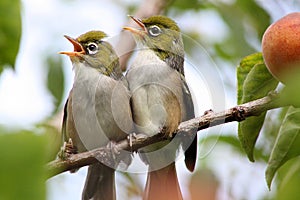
{"x":64,"y":123}
{"x":189,"y":143}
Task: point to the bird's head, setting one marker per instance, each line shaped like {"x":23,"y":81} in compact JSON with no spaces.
{"x":162,"y":35}
{"x":92,"y":51}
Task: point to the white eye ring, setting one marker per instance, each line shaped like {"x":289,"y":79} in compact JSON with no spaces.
{"x":92,"y":48}
{"x":154,"y":30}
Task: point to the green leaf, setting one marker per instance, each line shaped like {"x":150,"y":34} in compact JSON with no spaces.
{"x":254,"y":82}
{"x":54,"y":140}
{"x":10,"y":32}
{"x":286,"y":145}
{"x":288,"y":188}
{"x":22,"y":174}
{"x":235,"y":45}
{"x":248,"y":132}
{"x":55,"y":80}
{"x":258,"y":83}
{"x":259,"y":19}
{"x":243,"y":69}
{"x":290,"y":94}
{"x":233,"y":141}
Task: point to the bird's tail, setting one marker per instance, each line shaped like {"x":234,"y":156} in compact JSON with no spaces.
{"x":162,"y":184}
{"x":191,"y":155}
{"x":99,"y":183}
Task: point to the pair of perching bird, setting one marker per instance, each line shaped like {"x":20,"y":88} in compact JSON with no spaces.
{"x":104,"y":106}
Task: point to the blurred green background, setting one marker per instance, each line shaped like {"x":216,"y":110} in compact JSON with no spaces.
{"x":35,"y":81}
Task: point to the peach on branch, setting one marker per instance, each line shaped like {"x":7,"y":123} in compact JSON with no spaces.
{"x":281,"y":46}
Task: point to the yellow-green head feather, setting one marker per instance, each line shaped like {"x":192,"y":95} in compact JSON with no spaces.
{"x":91,"y":36}
{"x":162,"y":21}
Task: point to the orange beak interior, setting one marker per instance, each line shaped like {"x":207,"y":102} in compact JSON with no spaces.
{"x":78,"y":49}
{"x":134,"y":30}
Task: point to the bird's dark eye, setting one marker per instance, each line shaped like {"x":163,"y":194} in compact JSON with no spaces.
{"x":92,"y":48}
{"x":154,"y":30}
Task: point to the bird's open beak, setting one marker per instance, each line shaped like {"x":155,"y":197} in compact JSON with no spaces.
{"x":140,"y":32}
{"x":78,"y":49}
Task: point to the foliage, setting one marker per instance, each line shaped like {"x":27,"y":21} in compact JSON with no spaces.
{"x":287,"y":144}
{"x":10,"y":32}
{"x":25,"y":153}
{"x":30,"y":150}
{"x":240,"y":19}
{"x":22,"y":166}
{"x":55,"y":80}
{"x":254,"y":82}
{"x":289,"y":180}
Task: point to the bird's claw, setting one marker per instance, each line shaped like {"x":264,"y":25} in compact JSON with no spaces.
{"x":67,"y":150}
{"x":130,"y":138}
{"x":210,"y":111}
{"x":113,"y":148}
{"x":135,"y":137}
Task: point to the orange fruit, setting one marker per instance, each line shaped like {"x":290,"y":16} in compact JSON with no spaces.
{"x":281,"y":46}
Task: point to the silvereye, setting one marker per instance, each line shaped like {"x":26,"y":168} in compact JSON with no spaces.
{"x":160,"y":101}
{"x":97,"y":110}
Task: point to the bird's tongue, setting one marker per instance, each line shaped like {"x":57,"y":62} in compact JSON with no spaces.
{"x":78,"y":49}
{"x":77,"y":45}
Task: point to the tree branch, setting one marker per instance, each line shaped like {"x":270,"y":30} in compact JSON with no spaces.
{"x":210,"y":119}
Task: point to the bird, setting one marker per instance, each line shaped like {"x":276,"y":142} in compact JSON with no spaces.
{"x":160,"y":100}
{"x":97,"y":110}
